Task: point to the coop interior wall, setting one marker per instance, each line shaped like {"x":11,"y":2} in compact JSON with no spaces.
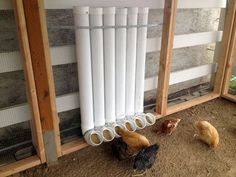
{"x":65,"y":76}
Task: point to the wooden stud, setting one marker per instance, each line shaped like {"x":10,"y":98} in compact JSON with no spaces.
{"x":168,"y":30}
{"x":217,"y":45}
{"x":224,"y":46}
{"x":191,"y":103}
{"x":41,"y":60}
{"x":29,"y":77}
{"x":229,"y":64}
{"x":19,"y":166}
{"x":230,"y":97}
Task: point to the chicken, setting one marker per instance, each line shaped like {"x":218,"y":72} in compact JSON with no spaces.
{"x":135,"y":141}
{"x":169,"y":126}
{"x":146,"y":158}
{"x":120,"y":149}
{"x":207,"y":133}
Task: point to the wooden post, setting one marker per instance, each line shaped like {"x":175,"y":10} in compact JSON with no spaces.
{"x":29,"y":77}
{"x":224,"y":46}
{"x":41,"y":60}
{"x":229,"y":63}
{"x":168,"y":30}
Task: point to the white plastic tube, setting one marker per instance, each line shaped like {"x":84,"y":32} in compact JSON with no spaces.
{"x":140,"y":122}
{"x":131,"y":61}
{"x":83,"y":54}
{"x":109,"y":61}
{"x":140,"y":62}
{"x":121,"y":19}
{"x":150,"y":119}
{"x":97,"y":67}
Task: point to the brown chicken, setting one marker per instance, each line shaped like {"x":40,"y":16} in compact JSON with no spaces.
{"x":169,"y":126}
{"x":135,"y":141}
{"x":207,"y":133}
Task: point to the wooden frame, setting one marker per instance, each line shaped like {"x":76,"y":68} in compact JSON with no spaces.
{"x":32,"y":97}
{"x":166,"y":56}
{"x":41,"y":62}
{"x":38,"y":72}
{"x":229,"y":66}
{"x":168,"y":30}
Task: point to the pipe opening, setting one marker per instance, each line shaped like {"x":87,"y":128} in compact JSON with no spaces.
{"x":140,"y":124}
{"x":129,"y":126}
{"x":117,"y":129}
{"x":150,"y":119}
{"x":108,"y":135}
{"x":95,"y":138}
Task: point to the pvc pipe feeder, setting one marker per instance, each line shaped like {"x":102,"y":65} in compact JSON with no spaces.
{"x":93,"y":137}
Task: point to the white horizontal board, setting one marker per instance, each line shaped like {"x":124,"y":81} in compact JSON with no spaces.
{"x":10,"y":61}
{"x":194,"y":39}
{"x":14,"y":115}
{"x":155,"y":4}
{"x":186,"y":40}
{"x":66,"y":54}
{"x":21,"y":113}
{"x":67,"y":102}
{"x":183,"y":75}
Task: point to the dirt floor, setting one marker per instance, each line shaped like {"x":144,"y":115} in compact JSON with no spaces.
{"x":179,"y":155}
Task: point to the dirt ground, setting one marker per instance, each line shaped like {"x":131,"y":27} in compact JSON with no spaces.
{"x":179,"y":155}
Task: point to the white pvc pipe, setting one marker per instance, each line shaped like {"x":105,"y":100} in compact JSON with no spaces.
{"x":109,"y":61}
{"x":150,"y":119}
{"x":93,"y":137}
{"x":81,"y":18}
{"x":140,"y":122}
{"x":108,"y":133}
{"x":97,"y":66}
{"x":131,"y":61}
{"x":115,"y":128}
{"x":83,"y":53}
{"x":130,"y":124}
{"x":121,"y":19}
{"x":140,"y":61}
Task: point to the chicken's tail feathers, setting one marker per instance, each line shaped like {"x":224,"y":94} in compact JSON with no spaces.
{"x":155,"y":146}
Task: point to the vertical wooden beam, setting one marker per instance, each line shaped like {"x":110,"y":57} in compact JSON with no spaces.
{"x":224,"y":46}
{"x":168,"y":30}
{"x":29,"y":77}
{"x":230,"y":60}
{"x":41,"y":60}
{"x":217,"y":46}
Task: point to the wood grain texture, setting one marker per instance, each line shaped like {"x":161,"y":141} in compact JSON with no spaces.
{"x":230,"y":61}
{"x":191,"y":103}
{"x":41,"y":61}
{"x":73,"y":146}
{"x":225,"y":46}
{"x":19,"y":165}
{"x":168,"y":30}
{"x":230,"y":97}
{"x":29,"y":77}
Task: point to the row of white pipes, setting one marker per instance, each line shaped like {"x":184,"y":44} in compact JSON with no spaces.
{"x":111,"y":70}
